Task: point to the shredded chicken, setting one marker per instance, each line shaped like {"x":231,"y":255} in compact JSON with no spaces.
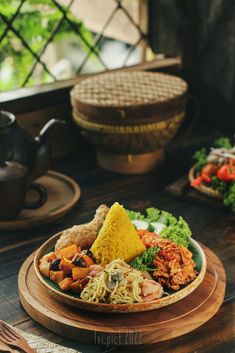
{"x":174,"y":263}
{"x":221,"y":156}
{"x":85,"y":234}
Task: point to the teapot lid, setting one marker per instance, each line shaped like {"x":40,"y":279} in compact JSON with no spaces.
{"x":12,"y":171}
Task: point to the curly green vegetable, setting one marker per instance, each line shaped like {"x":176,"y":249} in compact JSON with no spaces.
{"x":223,"y":142}
{"x":167,"y":218}
{"x":155,"y":215}
{"x":219,"y":185}
{"x":200,"y":158}
{"x":229,"y":197}
{"x":134,"y":215}
{"x":145,"y":261}
{"x":179,"y":233}
{"x":227,"y":189}
{"x":176,"y":230}
{"x":152,"y":214}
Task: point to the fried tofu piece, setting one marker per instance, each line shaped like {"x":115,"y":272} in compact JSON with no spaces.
{"x":69,"y":251}
{"x":57,"y":276}
{"x":65,"y":285}
{"x":80,"y":272}
{"x":66,"y":266}
{"x":45,"y":263}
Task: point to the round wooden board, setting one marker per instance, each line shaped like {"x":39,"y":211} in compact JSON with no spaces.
{"x":124,"y":329}
{"x":63,"y":192}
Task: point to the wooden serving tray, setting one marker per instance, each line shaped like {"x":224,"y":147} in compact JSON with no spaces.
{"x":124,"y":329}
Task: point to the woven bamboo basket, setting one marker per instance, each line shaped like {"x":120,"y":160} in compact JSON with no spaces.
{"x":192,"y":175}
{"x":130,"y":117}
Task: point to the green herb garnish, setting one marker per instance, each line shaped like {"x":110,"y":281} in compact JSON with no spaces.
{"x":219,"y":185}
{"x":223,"y":142}
{"x":200,"y":158}
{"x":145,"y":261}
{"x":229,"y":197}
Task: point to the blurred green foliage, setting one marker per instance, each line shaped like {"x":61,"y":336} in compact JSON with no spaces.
{"x":35,"y":22}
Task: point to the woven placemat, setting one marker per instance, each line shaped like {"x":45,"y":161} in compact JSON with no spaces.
{"x":41,"y":345}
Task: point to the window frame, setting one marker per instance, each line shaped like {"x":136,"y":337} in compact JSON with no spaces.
{"x":25,"y":100}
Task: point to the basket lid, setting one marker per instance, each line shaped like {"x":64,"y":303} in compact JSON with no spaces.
{"x":129,"y":94}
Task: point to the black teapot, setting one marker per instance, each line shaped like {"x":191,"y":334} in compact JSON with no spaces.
{"x":19,"y":146}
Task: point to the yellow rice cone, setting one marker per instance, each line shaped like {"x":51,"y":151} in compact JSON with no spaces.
{"x":117,"y":238}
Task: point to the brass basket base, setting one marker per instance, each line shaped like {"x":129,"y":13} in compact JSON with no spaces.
{"x":130,"y":163}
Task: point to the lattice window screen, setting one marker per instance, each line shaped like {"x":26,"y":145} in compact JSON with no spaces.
{"x":96,"y":22}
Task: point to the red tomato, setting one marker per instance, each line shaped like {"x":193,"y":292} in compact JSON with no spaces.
{"x":226,"y":172}
{"x":209,"y":169}
{"x":202,"y":178}
{"x":196,"y":181}
{"x":148,"y":238}
{"x":206,"y":178}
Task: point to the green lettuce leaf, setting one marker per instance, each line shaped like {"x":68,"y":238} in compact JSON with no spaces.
{"x":167,"y":218}
{"x":152,"y":214}
{"x":134,"y":215}
{"x":179,"y":233}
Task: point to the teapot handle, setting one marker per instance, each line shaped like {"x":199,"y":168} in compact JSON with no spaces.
{"x":42,"y":197}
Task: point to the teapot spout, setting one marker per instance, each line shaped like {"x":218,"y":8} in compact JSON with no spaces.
{"x":47,"y":132}
{"x":42,"y":160}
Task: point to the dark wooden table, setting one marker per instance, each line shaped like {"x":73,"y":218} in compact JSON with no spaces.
{"x":212,"y":226}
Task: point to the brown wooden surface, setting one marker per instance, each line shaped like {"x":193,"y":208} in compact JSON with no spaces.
{"x":62,"y":195}
{"x":153,"y":326}
{"x":212,"y":226}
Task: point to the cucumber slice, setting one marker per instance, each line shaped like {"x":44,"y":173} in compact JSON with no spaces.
{"x":140,"y":224}
{"x":158,"y":227}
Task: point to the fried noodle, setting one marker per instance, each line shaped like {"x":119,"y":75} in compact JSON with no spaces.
{"x":118,"y":283}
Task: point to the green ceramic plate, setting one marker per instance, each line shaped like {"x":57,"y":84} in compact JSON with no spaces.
{"x":73,"y":299}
